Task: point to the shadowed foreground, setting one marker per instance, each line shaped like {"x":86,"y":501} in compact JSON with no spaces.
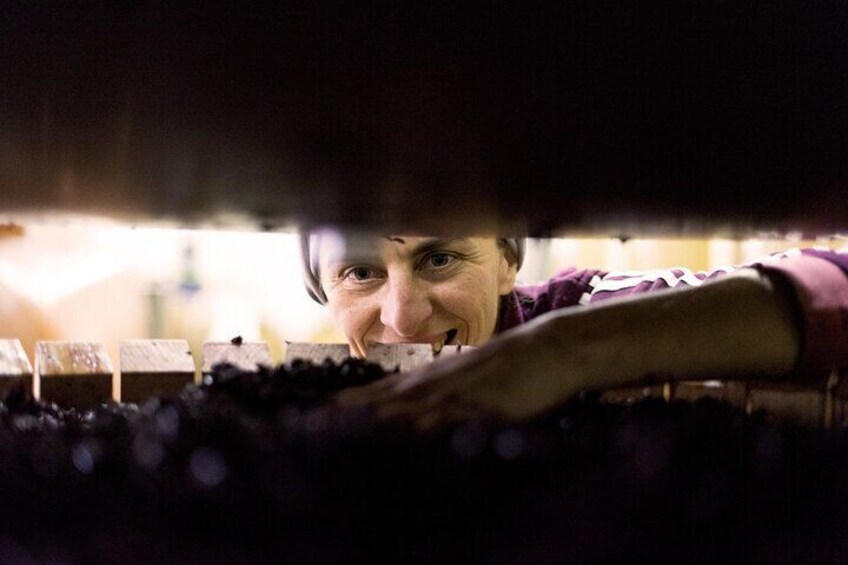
{"x":255,"y":467}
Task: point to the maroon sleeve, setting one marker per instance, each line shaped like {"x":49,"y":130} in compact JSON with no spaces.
{"x":820,"y":281}
{"x":838,"y":258}
{"x":567,"y":288}
{"x":818,"y":277}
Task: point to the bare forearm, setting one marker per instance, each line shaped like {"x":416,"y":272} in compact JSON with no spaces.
{"x":741,"y":326}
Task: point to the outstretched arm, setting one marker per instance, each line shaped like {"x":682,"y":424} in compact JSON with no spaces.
{"x":744,"y":325}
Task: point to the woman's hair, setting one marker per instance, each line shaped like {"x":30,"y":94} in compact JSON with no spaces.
{"x":309,"y":243}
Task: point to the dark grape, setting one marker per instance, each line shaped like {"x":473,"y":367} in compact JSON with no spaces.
{"x":262,"y":466}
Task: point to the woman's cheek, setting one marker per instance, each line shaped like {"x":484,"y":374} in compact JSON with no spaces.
{"x":354,"y":318}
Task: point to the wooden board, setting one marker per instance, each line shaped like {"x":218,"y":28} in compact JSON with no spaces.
{"x":154,"y":367}
{"x":631,"y":395}
{"x":837,"y":398}
{"x":247,"y":355}
{"x":400,"y":356}
{"x":789,"y":403}
{"x":79,"y":374}
{"x":316,"y":352}
{"x":9,"y":229}
{"x":73,"y":373}
{"x":734,"y":393}
{"x":14,"y":365}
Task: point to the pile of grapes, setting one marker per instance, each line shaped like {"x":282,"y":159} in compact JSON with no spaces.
{"x":263,"y":467}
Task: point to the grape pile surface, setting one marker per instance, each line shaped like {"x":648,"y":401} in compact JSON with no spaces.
{"x":263,"y":467}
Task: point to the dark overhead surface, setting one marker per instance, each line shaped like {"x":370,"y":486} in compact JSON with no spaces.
{"x":574,"y":116}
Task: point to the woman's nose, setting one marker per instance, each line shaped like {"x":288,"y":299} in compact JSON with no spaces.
{"x":405,"y":307}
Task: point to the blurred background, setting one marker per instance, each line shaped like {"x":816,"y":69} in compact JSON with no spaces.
{"x":714,"y":126}
{"x":92,"y":279}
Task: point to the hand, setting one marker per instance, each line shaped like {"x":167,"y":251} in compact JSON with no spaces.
{"x":740,"y":325}
{"x":513,"y":377}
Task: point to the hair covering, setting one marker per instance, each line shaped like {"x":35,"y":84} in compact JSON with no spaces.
{"x":309,"y":243}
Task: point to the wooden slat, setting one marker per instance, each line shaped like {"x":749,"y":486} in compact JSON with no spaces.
{"x":801,"y":406}
{"x":781,"y":402}
{"x":154,"y":367}
{"x":734,"y":393}
{"x":11,"y":230}
{"x":14,"y":365}
{"x":73,"y":373}
{"x":631,"y":395}
{"x":401,"y":356}
{"x":837,"y":389}
{"x":449,"y":350}
{"x":13,"y":359}
{"x":247,"y":355}
{"x":316,"y":352}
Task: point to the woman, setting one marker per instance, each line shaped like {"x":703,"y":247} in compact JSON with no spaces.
{"x":540,"y":345}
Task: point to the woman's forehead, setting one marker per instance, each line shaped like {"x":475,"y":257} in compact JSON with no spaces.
{"x":339,"y":246}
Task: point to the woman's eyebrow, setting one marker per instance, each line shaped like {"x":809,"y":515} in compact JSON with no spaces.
{"x":435,"y":244}
{"x":345,"y":260}
{"x":368,"y":258}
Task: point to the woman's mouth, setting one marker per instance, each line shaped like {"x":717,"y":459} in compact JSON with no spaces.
{"x":447,"y":339}
{"x":450,"y":336}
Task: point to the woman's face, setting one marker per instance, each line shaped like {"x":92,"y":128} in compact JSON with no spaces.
{"x":414,"y":289}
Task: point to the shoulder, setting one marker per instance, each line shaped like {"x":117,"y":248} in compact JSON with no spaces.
{"x":567,"y":288}
{"x":819,"y":278}
{"x":809,"y":269}
{"x":838,"y":258}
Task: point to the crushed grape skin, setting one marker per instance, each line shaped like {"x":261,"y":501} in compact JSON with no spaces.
{"x":251,"y":465}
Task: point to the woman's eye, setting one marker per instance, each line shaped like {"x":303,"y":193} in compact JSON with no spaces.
{"x":440,"y":260}
{"x":359,"y":273}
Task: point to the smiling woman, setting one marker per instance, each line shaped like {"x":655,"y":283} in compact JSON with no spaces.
{"x":581,"y":329}
{"x":402,"y":289}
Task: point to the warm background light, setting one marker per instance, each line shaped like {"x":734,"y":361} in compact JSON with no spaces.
{"x":107,"y":282}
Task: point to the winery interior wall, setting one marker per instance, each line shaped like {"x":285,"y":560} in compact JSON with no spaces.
{"x":107,"y":282}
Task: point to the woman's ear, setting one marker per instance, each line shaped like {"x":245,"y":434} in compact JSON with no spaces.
{"x":507,"y":271}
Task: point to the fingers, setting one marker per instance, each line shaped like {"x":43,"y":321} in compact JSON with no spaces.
{"x":432,"y":416}
{"x":426,"y":386}
{"x":424,"y":408}
{"x":429,"y":398}
{"x":391,"y":387}
{"x":375,"y":392}
{"x":356,"y":350}
{"x":447,"y":416}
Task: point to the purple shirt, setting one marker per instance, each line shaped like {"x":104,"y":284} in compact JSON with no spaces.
{"x":819,"y":278}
